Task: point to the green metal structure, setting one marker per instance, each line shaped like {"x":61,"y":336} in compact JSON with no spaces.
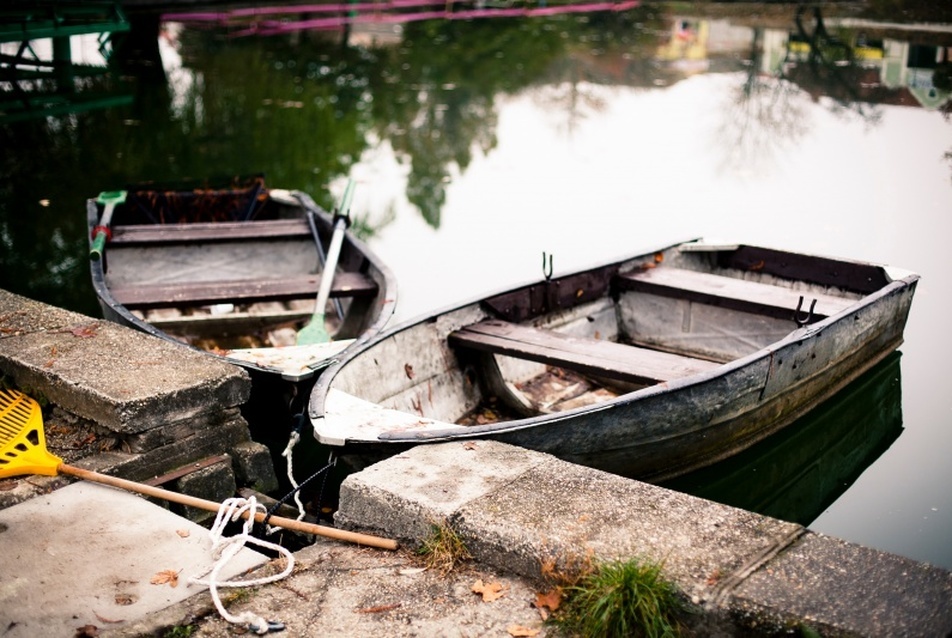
{"x":32,"y":85}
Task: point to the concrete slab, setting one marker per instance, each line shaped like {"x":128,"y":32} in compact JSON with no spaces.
{"x":123,"y":379}
{"x":565,"y":513}
{"x":516,"y":508}
{"x":412,"y":491}
{"x":85,"y":555}
{"x":527,"y":512}
{"x":826,"y":581}
{"x":341,"y":590}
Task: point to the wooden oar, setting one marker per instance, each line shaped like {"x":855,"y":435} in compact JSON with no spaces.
{"x":23,"y":451}
{"x":101,"y":232}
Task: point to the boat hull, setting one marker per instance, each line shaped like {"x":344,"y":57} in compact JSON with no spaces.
{"x":655,"y":432}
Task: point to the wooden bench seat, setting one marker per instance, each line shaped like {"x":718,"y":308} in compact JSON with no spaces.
{"x":208,"y":232}
{"x":142,"y":296}
{"x":589,"y":356}
{"x":729,"y":292}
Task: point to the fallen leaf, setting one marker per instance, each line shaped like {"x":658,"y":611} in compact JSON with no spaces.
{"x":489,"y":591}
{"x":87,"y":631}
{"x":518,"y":631}
{"x":184,"y":533}
{"x":168,"y":576}
{"x":549,"y":600}
{"x":84,"y":332}
{"x":408,"y":369}
{"x":470,"y":445}
{"x":378,"y":608}
{"x":125,"y":599}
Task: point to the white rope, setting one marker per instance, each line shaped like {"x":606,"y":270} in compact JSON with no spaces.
{"x":226,"y":548}
{"x":295,"y":437}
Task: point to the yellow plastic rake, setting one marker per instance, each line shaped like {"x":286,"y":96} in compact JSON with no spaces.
{"x":23,"y":451}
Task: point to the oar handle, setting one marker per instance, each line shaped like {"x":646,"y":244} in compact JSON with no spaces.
{"x":109,"y":200}
{"x":330,"y":265}
{"x":333,"y":251}
{"x":99,"y":244}
{"x":102,"y":232}
{"x":212,"y":506}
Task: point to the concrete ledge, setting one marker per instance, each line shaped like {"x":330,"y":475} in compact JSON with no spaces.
{"x":837,"y":586}
{"x":517,"y":508}
{"x":124,"y":380}
{"x":124,"y":402}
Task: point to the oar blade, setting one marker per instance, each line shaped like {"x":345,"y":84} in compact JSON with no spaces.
{"x":22,"y":441}
{"x":313,"y":332}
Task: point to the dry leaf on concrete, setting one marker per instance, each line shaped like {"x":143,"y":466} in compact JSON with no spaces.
{"x":489,"y":591}
{"x":168,"y":576}
{"x":549,"y":600}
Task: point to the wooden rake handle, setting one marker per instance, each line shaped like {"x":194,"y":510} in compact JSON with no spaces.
{"x":212,"y":506}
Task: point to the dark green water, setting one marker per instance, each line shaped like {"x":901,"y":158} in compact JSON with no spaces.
{"x":478,"y":144}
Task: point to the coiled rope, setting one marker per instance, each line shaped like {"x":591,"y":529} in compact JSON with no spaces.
{"x":226,"y":548}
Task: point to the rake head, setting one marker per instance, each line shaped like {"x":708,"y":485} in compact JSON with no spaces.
{"x":22,"y":442}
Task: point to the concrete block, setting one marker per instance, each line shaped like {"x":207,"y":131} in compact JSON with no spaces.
{"x":223,"y":421}
{"x":20,"y":316}
{"x":841,"y":588}
{"x":214,"y":483}
{"x":123,"y":379}
{"x":253,"y":467}
{"x":158,"y":461}
{"x":409,"y":493}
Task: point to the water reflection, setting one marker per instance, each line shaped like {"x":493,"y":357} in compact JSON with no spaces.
{"x":798,"y":473}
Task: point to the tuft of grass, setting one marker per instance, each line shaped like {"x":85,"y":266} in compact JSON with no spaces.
{"x":621,"y":599}
{"x":180,"y":631}
{"x":443,"y":550}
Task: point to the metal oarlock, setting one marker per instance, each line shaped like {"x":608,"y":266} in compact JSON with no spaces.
{"x":796,"y":313}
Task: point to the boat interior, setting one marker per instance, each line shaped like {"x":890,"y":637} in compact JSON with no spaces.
{"x":583,"y":339}
{"x":221,"y":286}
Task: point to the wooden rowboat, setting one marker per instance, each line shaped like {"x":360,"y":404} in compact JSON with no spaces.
{"x":648,"y":367}
{"x":235,"y":272}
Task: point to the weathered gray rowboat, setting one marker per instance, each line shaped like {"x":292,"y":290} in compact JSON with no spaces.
{"x":648,"y":367}
{"x":235,"y":272}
